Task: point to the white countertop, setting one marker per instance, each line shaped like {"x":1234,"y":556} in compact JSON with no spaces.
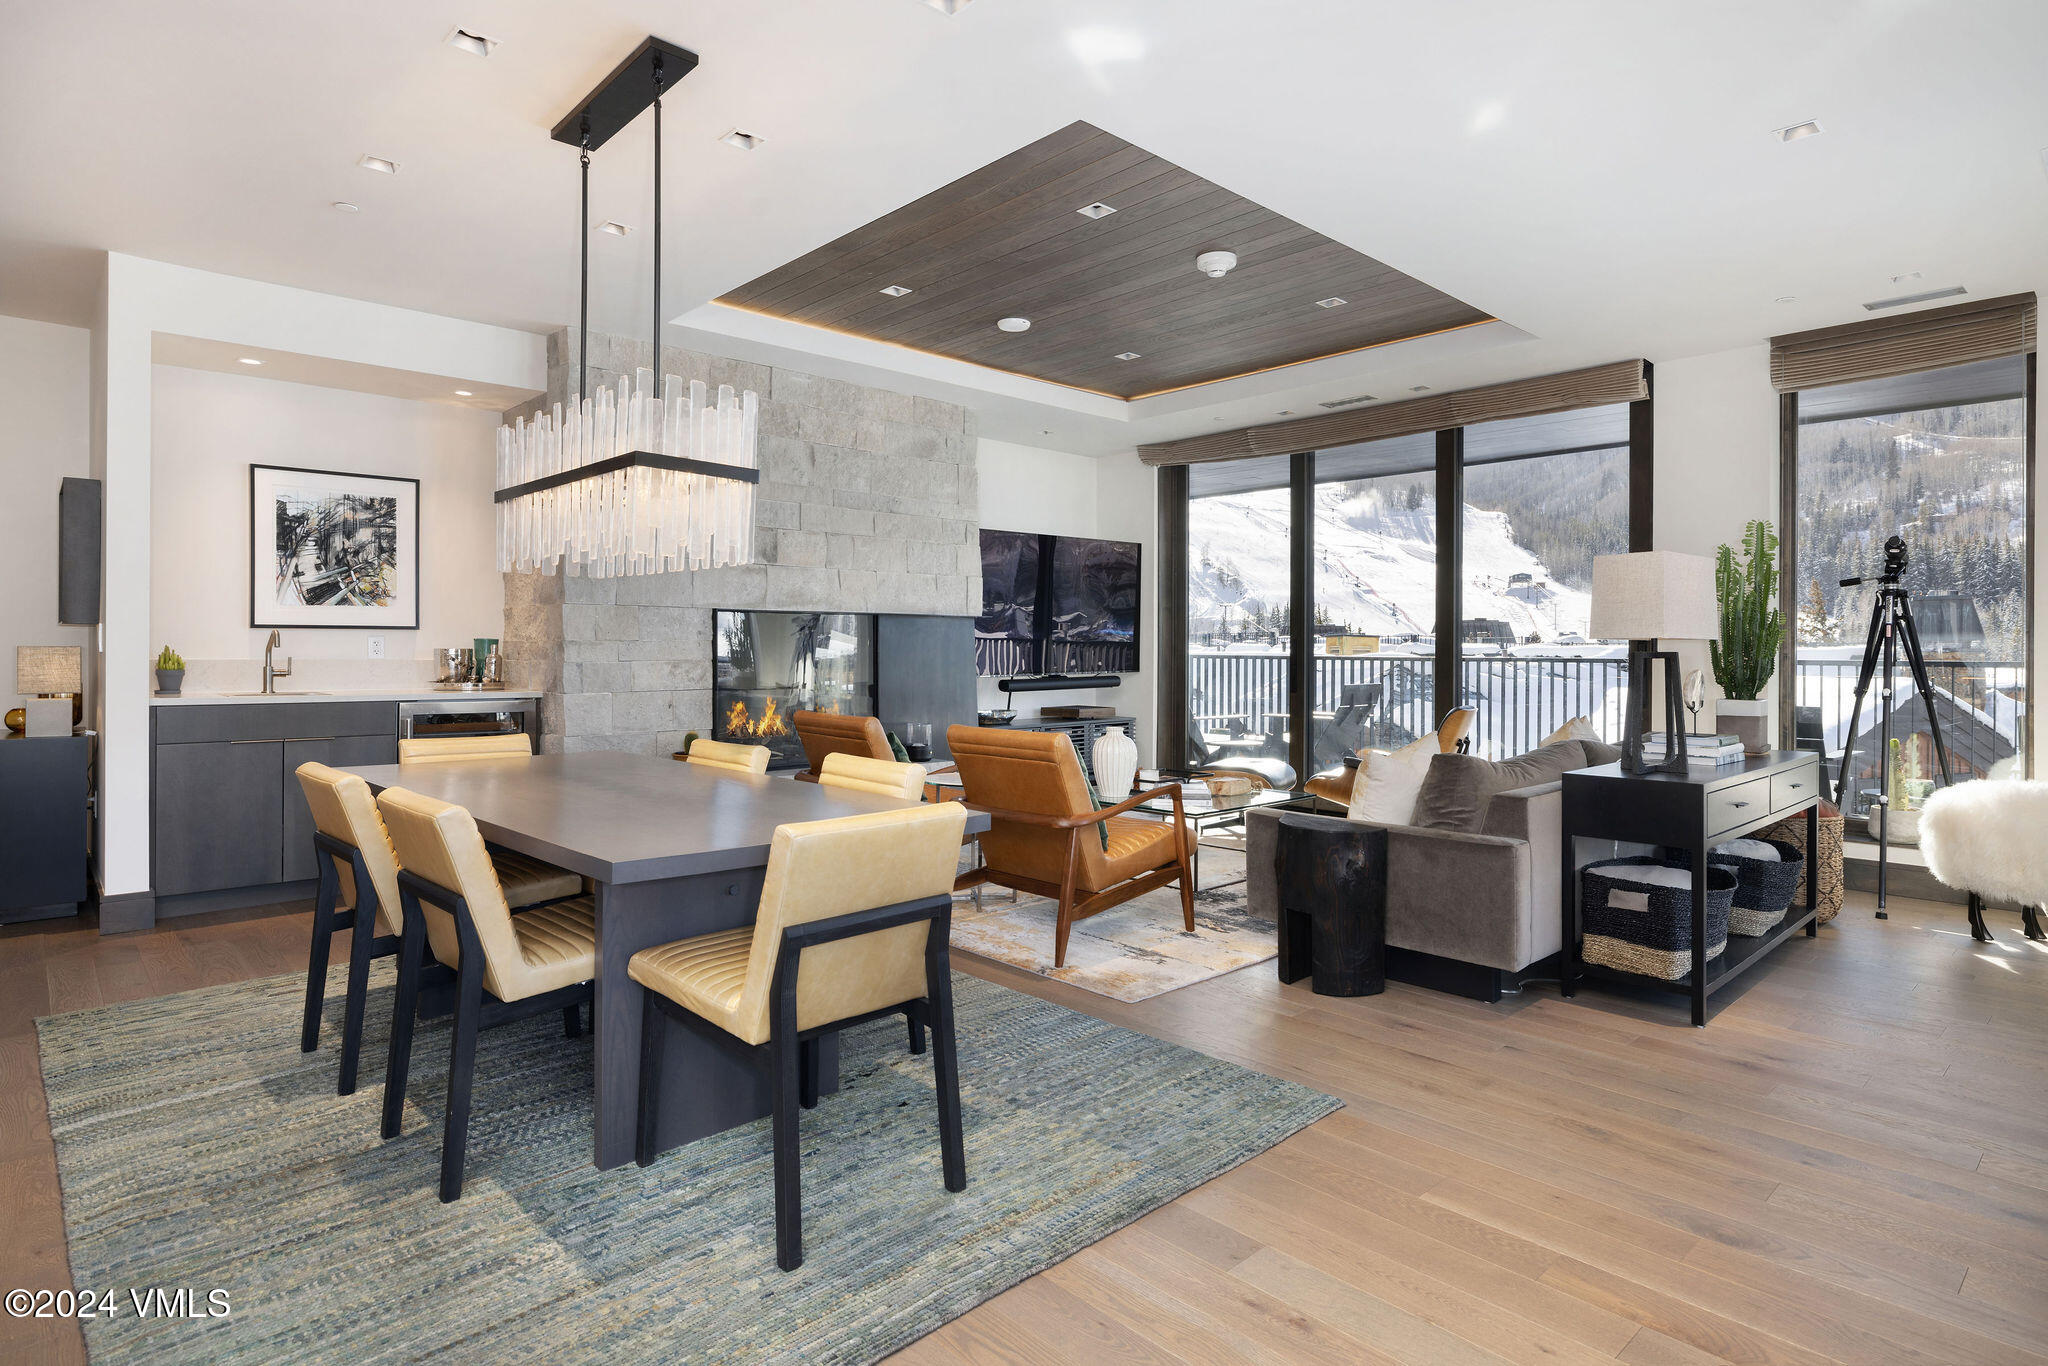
{"x":425,"y":693}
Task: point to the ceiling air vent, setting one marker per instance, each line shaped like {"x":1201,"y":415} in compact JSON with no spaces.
{"x":1875,"y":304}
{"x":1347,"y":402}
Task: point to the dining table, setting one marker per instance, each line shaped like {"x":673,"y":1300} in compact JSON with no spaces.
{"x":671,"y":850}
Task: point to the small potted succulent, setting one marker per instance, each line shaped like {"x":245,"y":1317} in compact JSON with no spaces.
{"x":689,"y":738}
{"x":170,"y":672}
{"x":1751,"y":629}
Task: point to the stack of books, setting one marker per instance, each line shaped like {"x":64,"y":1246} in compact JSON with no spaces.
{"x":1701,"y":751}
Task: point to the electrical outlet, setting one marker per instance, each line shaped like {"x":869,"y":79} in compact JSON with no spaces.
{"x":376,"y":647}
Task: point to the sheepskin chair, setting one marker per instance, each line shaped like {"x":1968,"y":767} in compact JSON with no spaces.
{"x":1990,"y":839}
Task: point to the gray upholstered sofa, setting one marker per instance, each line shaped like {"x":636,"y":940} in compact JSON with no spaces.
{"x":1469,"y":913}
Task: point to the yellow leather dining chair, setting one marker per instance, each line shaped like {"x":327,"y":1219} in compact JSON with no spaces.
{"x":358,"y":892}
{"x":717,"y":754}
{"x":436,"y":749}
{"x":884,"y":777}
{"x":506,"y":967}
{"x":853,"y":924}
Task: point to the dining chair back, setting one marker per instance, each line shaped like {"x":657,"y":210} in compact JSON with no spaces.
{"x":884,"y":777}
{"x":437,"y":749}
{"x":730,"y":758}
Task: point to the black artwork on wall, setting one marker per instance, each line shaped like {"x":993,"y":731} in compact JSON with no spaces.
{"x":1056,"y":604}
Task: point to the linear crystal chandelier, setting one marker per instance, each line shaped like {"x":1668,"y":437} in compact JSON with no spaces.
{"x":631,"y":479}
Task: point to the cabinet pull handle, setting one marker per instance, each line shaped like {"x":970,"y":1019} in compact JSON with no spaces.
{"x":255,"y":742}
{"x":301,"y":739}
{"x":1738,"y":805}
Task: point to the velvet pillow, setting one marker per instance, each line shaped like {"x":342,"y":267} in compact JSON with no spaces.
{"x":1388,"y":780}
{"x":1580,"y":728}
{"x":1459,"y":787}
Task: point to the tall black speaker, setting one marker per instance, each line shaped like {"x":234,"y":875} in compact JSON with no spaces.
{"x":78,"y":552}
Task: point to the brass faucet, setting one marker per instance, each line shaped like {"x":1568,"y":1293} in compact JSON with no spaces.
{"x":271,"y":673}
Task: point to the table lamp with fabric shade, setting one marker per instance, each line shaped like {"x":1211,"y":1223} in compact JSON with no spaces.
{"x":53,"y":676}
{"x":1643,"y":598}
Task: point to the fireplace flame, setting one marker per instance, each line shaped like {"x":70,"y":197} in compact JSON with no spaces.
{"x":739,"y":722}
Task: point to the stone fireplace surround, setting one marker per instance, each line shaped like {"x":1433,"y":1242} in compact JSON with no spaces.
{"x":868,"y":502}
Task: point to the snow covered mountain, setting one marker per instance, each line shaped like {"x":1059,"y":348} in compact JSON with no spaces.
{"x":1375,"y":566}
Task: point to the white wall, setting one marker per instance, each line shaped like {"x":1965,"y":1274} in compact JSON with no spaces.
{"x":45,"y":437}
{"x":1025,"y":488}
{"x":208,"y":428}
{"x":138,"y":301}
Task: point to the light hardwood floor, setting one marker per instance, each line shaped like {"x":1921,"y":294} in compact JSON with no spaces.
{"x":1850,"y":1163}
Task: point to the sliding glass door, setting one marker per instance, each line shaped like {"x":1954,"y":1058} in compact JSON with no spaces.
{"x":1347,"y":542}
{"x":1239,"y":613}
{"x":1939,"y":459}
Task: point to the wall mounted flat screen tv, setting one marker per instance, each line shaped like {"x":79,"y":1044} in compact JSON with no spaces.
{"x":1056,"y":604}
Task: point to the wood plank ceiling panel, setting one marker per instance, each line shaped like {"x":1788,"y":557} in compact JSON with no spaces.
{"x":1006,"y":240}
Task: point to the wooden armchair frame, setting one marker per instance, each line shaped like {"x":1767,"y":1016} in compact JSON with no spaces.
{"x":1063,"y":893}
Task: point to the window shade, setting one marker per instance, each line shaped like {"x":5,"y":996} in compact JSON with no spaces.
{"x":1879,"y":348}
{"x":1620,"y":382}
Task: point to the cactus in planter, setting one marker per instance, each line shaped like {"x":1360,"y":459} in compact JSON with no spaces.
{"x":169,"y":659}
{"x":1751,"y":624}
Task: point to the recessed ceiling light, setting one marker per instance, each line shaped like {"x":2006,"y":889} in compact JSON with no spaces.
{"x":1792,"y":132}
{"x":475,"y":44}
{"x":1347,"y":402}
{"x":614,"y":227}
{"x":1907,"y":278}
{"x":1045,"y":431}
{"x":952,"y":7}
{"x":1096,"y":210}
{"x":896,"y":291}
{"x":1418,"y":388}
{"x":370,"y":163}
{"x":1127,"y":355}
{"x":464,"y":393}
{"x":343,"y":206}
{"x":250,"y":360}
{"x":1014,"y":324}
{"x":1332,"y":302}
{"x":1786,"y":299}
{"x":741,"y":139}
{"x":1905,"y":299}
{"x":1285,"y":412}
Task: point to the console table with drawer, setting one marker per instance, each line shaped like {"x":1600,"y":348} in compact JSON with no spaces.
{"x":1690,"y":813}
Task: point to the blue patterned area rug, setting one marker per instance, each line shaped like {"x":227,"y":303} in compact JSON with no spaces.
{"x":199,"y":1149}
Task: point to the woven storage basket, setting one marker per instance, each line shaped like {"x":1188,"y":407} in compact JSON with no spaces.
{"x":1763,"y":888}
{"x":1792,"y":831}
{"x":1646,"y":927}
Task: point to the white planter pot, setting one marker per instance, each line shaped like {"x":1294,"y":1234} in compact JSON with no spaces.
{"x":1116,"y":764}
{"x":1902,"y":827}
{"x":1750,"y":720}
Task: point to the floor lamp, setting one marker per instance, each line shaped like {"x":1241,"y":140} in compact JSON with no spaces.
{"x":1644,"y":598}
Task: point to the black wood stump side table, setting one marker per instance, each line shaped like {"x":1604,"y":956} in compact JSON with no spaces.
{"x":1333,"y":906}
{"x":1689,"y":813}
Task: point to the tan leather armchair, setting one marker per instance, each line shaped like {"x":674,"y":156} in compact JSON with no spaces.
{"x":883,"y":777}
{"x":730,"y":758}
{"x":824,"y":733}
{"x":506,"y":967}
{"x":853,"y":924}
{"x":1048,"y":839}
{"x":358,"y":892}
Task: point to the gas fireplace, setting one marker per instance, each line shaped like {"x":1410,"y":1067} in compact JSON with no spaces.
{"x":769,"y":664}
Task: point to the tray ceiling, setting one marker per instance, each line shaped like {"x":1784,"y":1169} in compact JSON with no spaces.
{"x":1008,"y":241}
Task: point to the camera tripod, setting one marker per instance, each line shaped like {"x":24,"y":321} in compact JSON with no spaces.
{"x":1891,"y":625}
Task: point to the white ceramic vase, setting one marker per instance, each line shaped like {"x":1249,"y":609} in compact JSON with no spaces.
{"x":1749,"y":720}
{"x":1116,"y":764}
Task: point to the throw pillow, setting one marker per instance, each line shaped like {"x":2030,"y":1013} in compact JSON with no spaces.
{"x":1580,"y":728}
{"x":1459,"y":787}
{"x":1384,"y":793}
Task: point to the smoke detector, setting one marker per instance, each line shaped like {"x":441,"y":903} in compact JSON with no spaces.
{"x":1216,"y":264}
{"x":1014,"y":324}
